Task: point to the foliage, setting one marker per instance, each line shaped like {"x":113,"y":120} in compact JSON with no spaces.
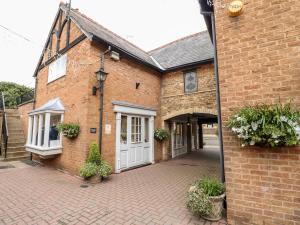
{"x":69,"y":130}
{"x":161,"y":134}
{"x":94,"y":165}
{"x":104,"y":170}
{"x":198,"y":197}
{"x":88,"y":170}
{"x":267,"y":125}
{"x":94,"y":154}
{"x":211,"y":187}
{"x":13,"y":91}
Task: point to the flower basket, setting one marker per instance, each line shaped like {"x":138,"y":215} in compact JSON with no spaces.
{"x":69,"y":130}
{"x":161,"y":134}
{"x":267,"y":126}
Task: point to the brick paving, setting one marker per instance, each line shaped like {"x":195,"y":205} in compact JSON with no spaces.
{"x":149,"y":195}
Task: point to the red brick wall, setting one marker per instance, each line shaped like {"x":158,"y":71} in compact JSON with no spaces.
{"x":259,"y":58}
{"x":24,"y":109}
{"x":120,"y":85}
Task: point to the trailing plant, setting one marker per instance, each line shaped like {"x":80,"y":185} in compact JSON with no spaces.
{"x":161,"y":134}
{"x":198,"y":197}
{"x":69,"y":130}
{"x":267,"y":125}
{"x":94,"y":165}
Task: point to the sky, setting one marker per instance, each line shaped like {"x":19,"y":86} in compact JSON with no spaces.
{"x":147,"y":24}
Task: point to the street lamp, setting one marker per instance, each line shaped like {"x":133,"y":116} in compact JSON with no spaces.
{"x":101,"y":77}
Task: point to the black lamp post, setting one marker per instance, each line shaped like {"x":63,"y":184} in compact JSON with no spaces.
{"x":101,"y":77}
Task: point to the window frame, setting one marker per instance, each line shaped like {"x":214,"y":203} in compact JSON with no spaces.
{"x":179,"y":136}
{"x":54,"y":67}
{"x":185,"y":73}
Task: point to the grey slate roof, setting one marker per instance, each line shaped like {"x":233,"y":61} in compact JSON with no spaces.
{"x":188,"y":50}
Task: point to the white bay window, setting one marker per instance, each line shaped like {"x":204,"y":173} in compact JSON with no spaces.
{"x":43,"y":137}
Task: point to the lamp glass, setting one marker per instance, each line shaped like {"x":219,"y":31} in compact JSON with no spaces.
{"x":101,"y":75}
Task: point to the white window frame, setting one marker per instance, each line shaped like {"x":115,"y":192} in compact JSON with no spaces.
{"x":34,"y":136}
{"x":58,"y":68}
{"x":179,"y":135}
{"x":136,"y":129}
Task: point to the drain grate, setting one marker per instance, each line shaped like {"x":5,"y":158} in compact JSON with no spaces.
{"x":84,"y":186}
{"x":31,"y":163}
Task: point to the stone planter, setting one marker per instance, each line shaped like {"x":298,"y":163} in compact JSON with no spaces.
{"x":94,"y":180}
{"x":217,"y":208}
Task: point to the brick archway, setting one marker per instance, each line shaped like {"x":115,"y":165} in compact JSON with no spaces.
{"x":189,"y":111}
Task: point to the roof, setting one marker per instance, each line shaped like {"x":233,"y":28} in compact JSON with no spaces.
{"x":196,"y":48}
{"x":188,"y":50}
{"x":52,"y":105}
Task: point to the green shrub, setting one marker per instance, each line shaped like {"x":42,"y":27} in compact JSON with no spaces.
{"x":267,"y":125}
{"x":198,"y":197}
{"x":104,"y":170}
{"x":88,"y":170}
{"x":94,"y":154}
{"x":69,"y":130}
{"x":161,"y":134}
{"x":211,"y":187}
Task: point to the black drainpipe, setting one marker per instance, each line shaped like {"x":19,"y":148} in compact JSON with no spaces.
{"x":212,"y":16}
{"x":101,"y":90}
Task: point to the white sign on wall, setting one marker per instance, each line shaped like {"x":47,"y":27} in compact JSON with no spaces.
{"x":107,"y":129}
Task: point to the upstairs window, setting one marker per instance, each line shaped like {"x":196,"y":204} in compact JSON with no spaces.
{"x":58,"y":68}
{"x":190,"y":81}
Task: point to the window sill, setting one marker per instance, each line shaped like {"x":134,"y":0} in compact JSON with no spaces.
{"x":42,"y":151}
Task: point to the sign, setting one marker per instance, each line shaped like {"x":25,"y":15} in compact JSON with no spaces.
{"x":93,"y":130}
{"x":107,"y":129}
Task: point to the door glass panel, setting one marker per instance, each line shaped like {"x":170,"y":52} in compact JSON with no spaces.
{"x":123,"y":130}
{"x":146,"y":129}
{"x":136,"y":129}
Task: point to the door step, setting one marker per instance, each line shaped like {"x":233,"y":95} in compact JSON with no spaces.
{"x":136,"y":167}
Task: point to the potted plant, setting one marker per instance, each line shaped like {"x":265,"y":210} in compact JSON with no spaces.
{"x":161,"y":134}
{"x":69,"y":130}
{"x":205,"y":198}
{"x":95,"y":169}
{"x":267,"y":125}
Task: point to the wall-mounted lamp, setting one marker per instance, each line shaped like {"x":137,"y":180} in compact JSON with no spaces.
{"x":101,"y":75}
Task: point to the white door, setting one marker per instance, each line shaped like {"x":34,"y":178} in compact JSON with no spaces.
{"x":134,"y":137}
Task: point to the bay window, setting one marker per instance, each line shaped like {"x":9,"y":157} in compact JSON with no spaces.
{"x":43,"y":137}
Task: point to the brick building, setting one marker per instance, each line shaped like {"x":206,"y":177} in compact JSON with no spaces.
{"x":170,"y":87}
{"x":258,"y":52}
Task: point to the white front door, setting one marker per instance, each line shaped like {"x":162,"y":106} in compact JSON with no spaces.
{"x":135,"y":141}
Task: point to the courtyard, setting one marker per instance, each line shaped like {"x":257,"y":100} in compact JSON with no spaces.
{"x":153,"y":194}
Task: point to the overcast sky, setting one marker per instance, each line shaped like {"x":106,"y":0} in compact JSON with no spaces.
{"x":146,"y":23}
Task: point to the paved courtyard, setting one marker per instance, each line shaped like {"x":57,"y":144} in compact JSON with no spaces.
{"x":149,"y":195}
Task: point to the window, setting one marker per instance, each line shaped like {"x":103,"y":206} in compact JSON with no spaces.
{"x":136,"y":129}
{"x":123,"y":129}
{"x":57,"y":68}
{"x":190,"y":82}
{"x":146,"y":130}
{"x":179,"y":136}
{"x":43,"y":135}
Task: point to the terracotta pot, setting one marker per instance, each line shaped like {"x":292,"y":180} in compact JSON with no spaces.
{"x":217,"y":208}
{"x":94,"y":180}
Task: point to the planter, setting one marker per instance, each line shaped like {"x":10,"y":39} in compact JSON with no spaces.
{"x":217,"y":208}
{"x":94,"y":180}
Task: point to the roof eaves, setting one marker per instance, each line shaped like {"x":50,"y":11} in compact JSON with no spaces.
{"x":206,"y":61}
{"x":96,"y":38}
